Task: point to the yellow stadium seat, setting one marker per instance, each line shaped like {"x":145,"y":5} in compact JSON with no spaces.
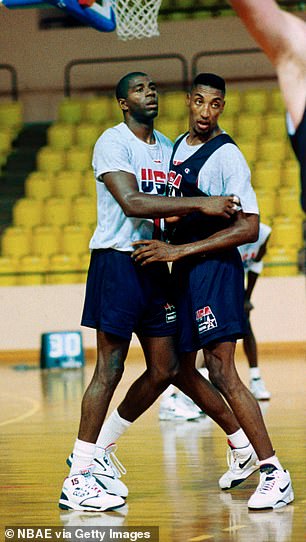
{"x":170,"y":128}
{"x":98,"y":110}
{"x":89,"y":183}
{"x":32,"y":270}
{"x":78,"y":158}
{"x":50,"y":160}
{"x":286,"y":232}
{"x":11,"y":115}
{"x":254,"y":100}
{"x":8,"y":270}
{"x":86,"y":135}
{"x":16,"y":241}
{"x":290,"y":175}
{"x":67,"y":184}
{"x":5,"y":140}
{"x":57,"y":211}
{"x":27,"y":212}
{"x":271,"y":149}
{"x":228,"y":124}
{"x":248,"y":149}
{"x":39,"y":185}
{"x":70,"y":110}
{"x":84,"y":210}
{"x":267,"y":204}
{"x":75,"y":239}
{"x":233,"y":101}
{"x":45,"y":240}
{"x":280,"y":262}
{"x":84,"y":264}
{"x":266,"y":175}
{"x":288,"y":203}
{"x":248,"y":126}
{"x":274,"y":126}
{"x":173,"y":105}
{"x":60,"y":136}
{"x":63,"y":269}
{"x":276,"y":101}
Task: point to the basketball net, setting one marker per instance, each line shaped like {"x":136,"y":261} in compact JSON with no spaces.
{"x":136,"y":18}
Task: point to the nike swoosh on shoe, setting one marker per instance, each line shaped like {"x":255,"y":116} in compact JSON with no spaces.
{"x":242,"y":465}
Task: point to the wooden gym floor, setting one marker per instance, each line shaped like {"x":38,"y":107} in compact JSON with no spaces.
{"x":172,"y":467}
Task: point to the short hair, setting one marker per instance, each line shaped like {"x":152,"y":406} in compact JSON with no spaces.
{"x":209,"y":80}
{"x":122,"y":87}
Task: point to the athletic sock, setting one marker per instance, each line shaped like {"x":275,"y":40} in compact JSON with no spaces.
{"x":204,"y":372}
{"x":254,"y":373}
{"x":273,"y":460}
{"x":238,"y":439}
{"x":83,"y":454}
{"x":112,"y":429}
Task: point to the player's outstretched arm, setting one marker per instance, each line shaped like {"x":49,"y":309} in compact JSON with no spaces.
{"x":124,"y":188}
{"x":244,"y":230}
{"x":282,"y":36}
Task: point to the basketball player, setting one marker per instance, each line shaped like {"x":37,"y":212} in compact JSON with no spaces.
{"x":252,"y":255}
{"x":209,"y":278}
{"x":130,"y":162}
{"x":282,"y":36}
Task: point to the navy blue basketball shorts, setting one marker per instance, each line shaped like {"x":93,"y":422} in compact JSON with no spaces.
{"x":122,"y":297}
{"x":209,"y":298}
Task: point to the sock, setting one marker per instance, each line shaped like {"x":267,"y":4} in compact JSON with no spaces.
{"x":204,"y":372}
{"x":254,"y":373}
{"x":112,"y":429}
{"x":273,"y":460}
{"x":83,"y":454}
{"x":238,"y":439}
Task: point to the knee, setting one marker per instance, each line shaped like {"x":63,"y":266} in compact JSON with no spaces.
{"x":164,"y":374}
{"x":109,"y":377}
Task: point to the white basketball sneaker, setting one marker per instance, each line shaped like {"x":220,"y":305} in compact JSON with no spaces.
{"x":107,"y":469}
{"x":81,"y":492}
{"x":176,"y":408}
{"x":242,"y":463}
{"x":259,"y":390}
{"x":274,"y":489}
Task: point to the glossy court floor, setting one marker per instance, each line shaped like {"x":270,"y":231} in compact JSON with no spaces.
{"x":172,"y":467}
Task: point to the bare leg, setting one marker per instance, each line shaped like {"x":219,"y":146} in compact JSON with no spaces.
{"x":250,"y":347}
{"x":204,"y":394}
{"x":161,"y":363}
{"x":112,"y":352}
{"x":223,"y":374}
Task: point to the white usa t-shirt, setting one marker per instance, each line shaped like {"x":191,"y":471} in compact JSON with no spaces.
{"x":249,"y":251}
{"x":224,"y":173}
{"x":118,"y":149}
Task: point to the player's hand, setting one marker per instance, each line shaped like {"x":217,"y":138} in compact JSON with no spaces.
{"x":248,"y":306}
{"x":149,"y":251}
{"x":222,"y":206}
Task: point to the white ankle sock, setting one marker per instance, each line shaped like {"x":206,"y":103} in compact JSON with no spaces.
{"x":273,"y":460}
{"x":238,"y":439}
{"x":112,"y":429}
{"x":254,"y":372}
{"x":83,"y":454}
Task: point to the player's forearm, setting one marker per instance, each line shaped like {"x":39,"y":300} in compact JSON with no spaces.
{"x":141,"y":205}
{"x":252,"y":278}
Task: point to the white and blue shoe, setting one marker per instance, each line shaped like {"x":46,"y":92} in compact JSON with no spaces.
{"x":81,"y":492}
{"x":274,"y":489}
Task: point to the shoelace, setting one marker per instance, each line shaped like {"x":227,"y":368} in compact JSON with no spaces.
{"x":267,"y":484}
{"x":111,"y":459}
{"x":90,"y":481}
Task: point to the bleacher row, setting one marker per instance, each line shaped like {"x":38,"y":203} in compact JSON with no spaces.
{"x":48,"y":239}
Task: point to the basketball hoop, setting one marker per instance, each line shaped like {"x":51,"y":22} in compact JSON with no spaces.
{"x":136,"y":18}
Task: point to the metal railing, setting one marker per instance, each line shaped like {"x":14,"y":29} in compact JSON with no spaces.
{"x":158,"y":58}
{"x":13,"y":74}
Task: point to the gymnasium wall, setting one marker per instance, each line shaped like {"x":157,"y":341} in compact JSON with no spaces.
{"x":28,"y":311}
{"x":40,"y":56}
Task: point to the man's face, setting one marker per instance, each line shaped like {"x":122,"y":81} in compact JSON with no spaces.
{"x":142,"y":99}
{"x":205,"y":106}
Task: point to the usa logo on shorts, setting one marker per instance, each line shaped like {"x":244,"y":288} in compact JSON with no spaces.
{"x":170,"y":313}
{"x":206,"y":319}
